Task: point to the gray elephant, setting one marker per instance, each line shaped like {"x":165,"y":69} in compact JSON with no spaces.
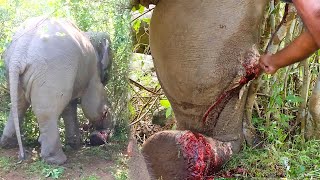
{"x":102,"y":45}
{"x":196,"y":46}
{"x":50,"y":63}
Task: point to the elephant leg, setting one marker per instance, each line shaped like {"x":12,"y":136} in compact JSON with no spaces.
{"x":314,"y":107}
{"x":51,"y":148}
{"x":48,"y":104}
{"x":8,"y":138}
{"x":72,"y":132}
{"x":185,"y":155}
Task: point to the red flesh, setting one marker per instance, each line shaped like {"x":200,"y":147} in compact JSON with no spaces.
{"x":252,"y":71}
{"x":203,"y":159}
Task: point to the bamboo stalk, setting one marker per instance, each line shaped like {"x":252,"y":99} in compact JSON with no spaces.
{"x":302,"y":113}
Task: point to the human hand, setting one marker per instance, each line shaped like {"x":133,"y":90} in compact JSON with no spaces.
{"x":267,"y":64}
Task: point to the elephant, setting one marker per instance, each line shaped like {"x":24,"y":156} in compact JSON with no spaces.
{"x":102,"y":45}
{"x":196,"y":47}
{"x":50,"y":63}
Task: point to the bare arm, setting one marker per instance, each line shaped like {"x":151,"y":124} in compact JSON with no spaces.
{"x":309,"y":11}
{"x":302,"y":47}
{"x":298,"y":50}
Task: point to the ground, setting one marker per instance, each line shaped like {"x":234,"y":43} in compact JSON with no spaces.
{"x":89,"y":163}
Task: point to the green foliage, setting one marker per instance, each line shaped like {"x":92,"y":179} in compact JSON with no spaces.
{"x":166,"y":104}
{"x":53,"y":173}
{"x":119,"y":172}
{"x":296,"y":160}
{"x":40,"y":167}
{"x":281,"y":114}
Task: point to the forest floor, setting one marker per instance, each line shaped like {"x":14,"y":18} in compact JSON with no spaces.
{"x":89,"y":163}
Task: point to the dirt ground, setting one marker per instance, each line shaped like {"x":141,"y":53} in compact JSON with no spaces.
{"x":89,"y":163}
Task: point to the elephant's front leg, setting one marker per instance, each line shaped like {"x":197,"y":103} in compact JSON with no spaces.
{"x":72,"y":132}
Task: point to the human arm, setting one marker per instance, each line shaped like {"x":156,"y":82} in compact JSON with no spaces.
{"x":309,"y":11}
{"x":301,"y":48}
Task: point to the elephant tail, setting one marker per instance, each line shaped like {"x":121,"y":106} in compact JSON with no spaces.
{"x":14,"y":72}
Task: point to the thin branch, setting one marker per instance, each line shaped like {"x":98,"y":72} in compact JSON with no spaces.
{"x":145,"y":105}
{"x":142,"y":15}
{"x":153,"y":103}
{"x":284,"y":18}
{"x":142,"y":87}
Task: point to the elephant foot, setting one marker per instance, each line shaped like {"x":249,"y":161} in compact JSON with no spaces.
{"x":185,"y":155}
{"x":74,"y":143}
{"x":74,"y":146}
{"x":57,"y":158}
{"x":8,"y":142}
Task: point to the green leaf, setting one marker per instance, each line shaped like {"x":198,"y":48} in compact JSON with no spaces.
{"x":136,"y":25}
{"x":279,"y":100}
{"x":131,"y":109}
{"x":147,"y":20}
{"x":141,"y":9}
{"x":294,"y":99}
{"x":168,"y":112}
{"x":165,"y":103}
{"x":286,"y":117}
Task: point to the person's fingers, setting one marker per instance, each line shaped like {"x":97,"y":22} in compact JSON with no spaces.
{"x":263,"y":66}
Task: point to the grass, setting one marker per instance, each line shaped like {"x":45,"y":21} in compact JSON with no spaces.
{"x":46,"y":170}
{"x":294,"y":160}
{"x":6,"y":164}
{"x":91,"y":177}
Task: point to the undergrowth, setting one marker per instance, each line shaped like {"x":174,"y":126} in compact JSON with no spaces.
{"x":296,"y":159}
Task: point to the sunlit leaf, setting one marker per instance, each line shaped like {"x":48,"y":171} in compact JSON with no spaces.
{"x":165,"y":103}
{"x":147,"y":20}
{"x":136,"y":25}
{"x":141,"y":9}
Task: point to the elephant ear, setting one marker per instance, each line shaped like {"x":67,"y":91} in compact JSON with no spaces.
{"x":102,"y":45}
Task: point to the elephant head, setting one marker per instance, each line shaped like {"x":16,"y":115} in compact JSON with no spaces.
{"x":102,"y":45}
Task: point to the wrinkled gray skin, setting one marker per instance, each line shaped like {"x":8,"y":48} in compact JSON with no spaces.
{"x":50,"y":63}
{"x":196,"y":59}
